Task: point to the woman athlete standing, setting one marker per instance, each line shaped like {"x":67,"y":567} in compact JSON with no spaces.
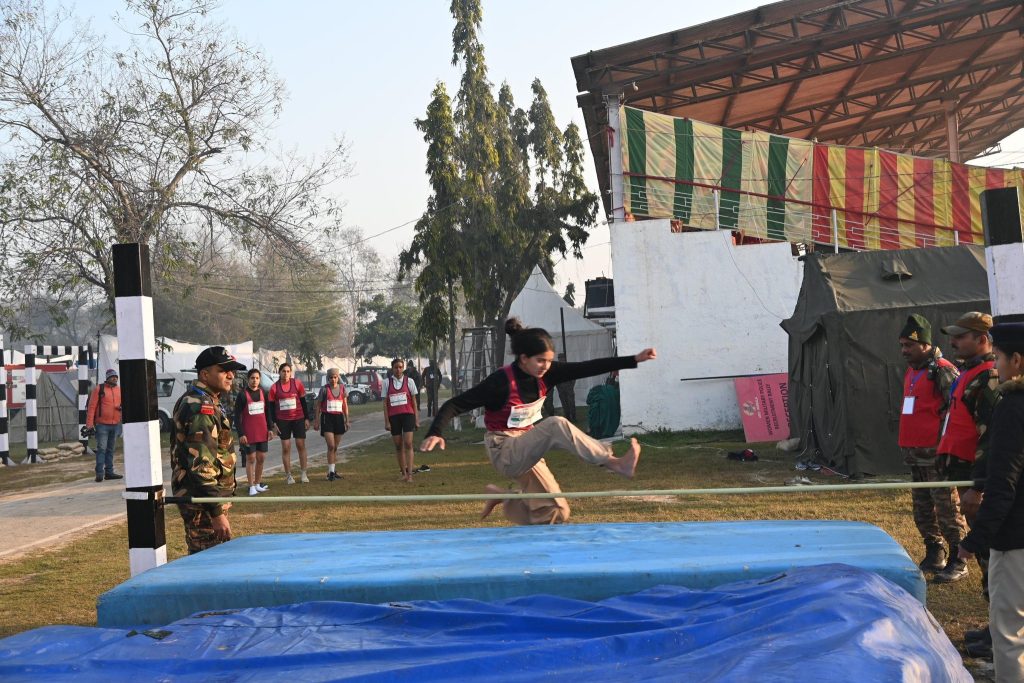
{"x":517,"y":438}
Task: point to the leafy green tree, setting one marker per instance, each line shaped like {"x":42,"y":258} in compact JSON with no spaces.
{"x":570,"y":294}
{"x":143,"y":144}
{"x":505,"y":226}
{"x":390,"y":332}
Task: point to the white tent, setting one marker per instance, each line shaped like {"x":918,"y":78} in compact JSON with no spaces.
{"x":539,"y":305}
{"x":180,"y":356}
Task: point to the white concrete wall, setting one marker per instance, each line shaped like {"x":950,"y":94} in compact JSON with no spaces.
{"x":710,"y":308}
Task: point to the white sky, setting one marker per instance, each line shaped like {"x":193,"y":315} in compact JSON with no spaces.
{"x":365,"y":71}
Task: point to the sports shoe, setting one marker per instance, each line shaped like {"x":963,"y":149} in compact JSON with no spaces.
{"x":331,"y":476}
{"x":290,"y":479}
{"x":423,"y":468}
{"x":261,"y":488}
{"x":304,"y":479}
{"x":253,"y":491}
{"x":956,"y":569}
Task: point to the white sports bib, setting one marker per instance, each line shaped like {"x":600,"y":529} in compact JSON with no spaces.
{"x":526,"y":414}
{"x":256,"y":408}
{"x":287,"y":403}
{"x":399,"y":399}
{"x":335,"y":406}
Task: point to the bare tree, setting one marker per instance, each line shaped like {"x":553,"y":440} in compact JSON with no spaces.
{"x":162,"y":142}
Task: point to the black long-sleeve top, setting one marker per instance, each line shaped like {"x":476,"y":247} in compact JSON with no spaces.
{"x":493,"y":392}
{"x":240,"y":408}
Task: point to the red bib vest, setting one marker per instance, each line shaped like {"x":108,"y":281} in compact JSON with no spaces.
{"x":408,"y":407}
{"x":329,"y":396}
{"x":296,"y":391}
{"x":960,"y":437}
{"x":253,"y":427}
{"x":921,"y":428}
{"x":497,"y":420}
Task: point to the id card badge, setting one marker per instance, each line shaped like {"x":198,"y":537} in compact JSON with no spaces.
{"x":398,"y":399}
{"x":908,"y":405}
{"x":287,"y":403}
{"x":256,"y":408}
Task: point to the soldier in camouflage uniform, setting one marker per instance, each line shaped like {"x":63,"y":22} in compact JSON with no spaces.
{"x":964,"y":441}
{"x":203,"y":451}
{"x":926,"y":388}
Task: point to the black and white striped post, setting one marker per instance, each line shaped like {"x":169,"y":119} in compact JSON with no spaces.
{"x":1004,"y":253}
{"x":32,"y":353}
{"x":84,"y":354}
{"x":5,"y":446}
{"x":31,"y":424}
{"x":143,"y":472}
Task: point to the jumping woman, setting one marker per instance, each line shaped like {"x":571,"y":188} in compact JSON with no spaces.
{"x":517,"y":438}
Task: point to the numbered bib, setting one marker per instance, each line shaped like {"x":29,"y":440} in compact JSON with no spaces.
{"x":908,"y":405}
{"x":287,"y":403}
{"x":399,"y":399}
{"x":334,"y":406}
{"x":525,"y":415}
{"x":256,"y":408}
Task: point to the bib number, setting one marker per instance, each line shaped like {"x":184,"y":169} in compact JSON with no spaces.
{"x":396,"y":400}
{"x":256,"y":408}
{"x":908,"y":405}
{"x":520,"y":417}
{"x":287,"y":403}
{"x":334,"y":406}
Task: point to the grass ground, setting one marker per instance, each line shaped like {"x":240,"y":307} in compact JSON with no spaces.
{"x":61,"y":586}
{"x":25,"y":478}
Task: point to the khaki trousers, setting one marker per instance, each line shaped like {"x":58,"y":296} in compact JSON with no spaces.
{"x":520,"y":456}
{"x":1006,"y":613}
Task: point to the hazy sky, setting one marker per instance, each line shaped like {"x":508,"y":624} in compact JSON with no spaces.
{"x":365,"y":71}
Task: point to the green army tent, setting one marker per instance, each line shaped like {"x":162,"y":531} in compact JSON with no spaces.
{"x":845,"y":369}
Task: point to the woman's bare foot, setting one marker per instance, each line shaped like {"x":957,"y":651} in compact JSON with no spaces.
{"x":625,"y":466}
{"x":489,"y":505}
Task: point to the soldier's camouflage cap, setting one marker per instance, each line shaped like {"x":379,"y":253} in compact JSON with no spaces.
{"x":974,"y":321}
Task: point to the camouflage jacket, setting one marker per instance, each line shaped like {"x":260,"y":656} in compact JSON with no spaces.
{"x":202,"y":449}
{"x":980,"y":398}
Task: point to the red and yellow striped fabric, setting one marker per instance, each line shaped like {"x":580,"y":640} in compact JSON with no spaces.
{"x":874,"y":199}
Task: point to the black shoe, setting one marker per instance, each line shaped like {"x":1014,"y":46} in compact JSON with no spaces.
{"x":978,"y":649}
{"x":99,"y":477}
{"x":979,"y":635}
{"x":935,"y":558}
{"x":114,"y":475}
{"x":331,"y":476}
{"x":956,"y":569}
{"x":423,"y":468}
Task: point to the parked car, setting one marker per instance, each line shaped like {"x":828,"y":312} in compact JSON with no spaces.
{"x":170,"y":386}
{"x":373,"y":380}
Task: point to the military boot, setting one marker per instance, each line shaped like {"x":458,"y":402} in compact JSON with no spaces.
{"x":955,"y":570}
{"x":934,"y":559}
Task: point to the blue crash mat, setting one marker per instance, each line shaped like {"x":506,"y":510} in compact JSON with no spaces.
{"x":827,"y":623}
{"x":585,"y":561}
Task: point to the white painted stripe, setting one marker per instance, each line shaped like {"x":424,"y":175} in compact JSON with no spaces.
{"x":135,"y":337}
{"x":142,"y":466}
{"x":144,"y":559}
{"x":4,"y":446}
{"x":83,"y":401}
{"x":32,"y":441}
{"x":1005,"y":264}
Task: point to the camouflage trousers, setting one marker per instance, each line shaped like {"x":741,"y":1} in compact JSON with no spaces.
{"x":198,"y":528}
{"x":936,"y":511}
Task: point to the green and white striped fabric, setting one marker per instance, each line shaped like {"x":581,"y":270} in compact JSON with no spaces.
{"x":674,"y":166}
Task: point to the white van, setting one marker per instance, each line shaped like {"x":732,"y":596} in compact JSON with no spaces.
{"x":169,"y":388}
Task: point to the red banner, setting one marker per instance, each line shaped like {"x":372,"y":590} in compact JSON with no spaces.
{"x":764,"y":407}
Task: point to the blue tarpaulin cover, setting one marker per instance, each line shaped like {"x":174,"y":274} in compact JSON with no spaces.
{"x":825,"y":623}
{"x":583,"y":561}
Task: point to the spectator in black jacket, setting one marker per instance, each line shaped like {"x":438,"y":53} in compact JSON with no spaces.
{"x":999,"y":525}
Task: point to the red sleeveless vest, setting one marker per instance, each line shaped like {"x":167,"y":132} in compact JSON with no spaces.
{"x":497,"y":420}
{"x":296,"y":389}
{"x":329,"y":396}
{"x":921,"y":428}
{"x":253,"y":427}
{"x":960,"y":437}
{"x":408,"y":408}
